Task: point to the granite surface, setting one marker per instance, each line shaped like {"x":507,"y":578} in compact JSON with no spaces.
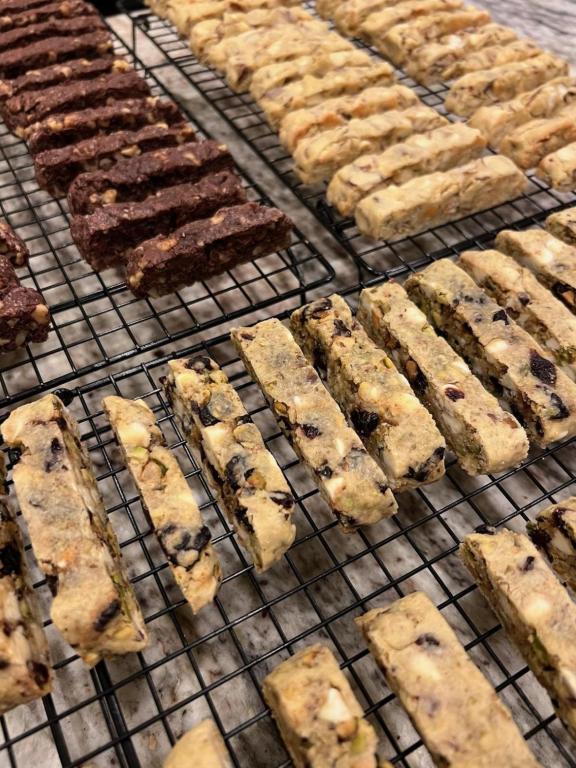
{"x":299,"y":617}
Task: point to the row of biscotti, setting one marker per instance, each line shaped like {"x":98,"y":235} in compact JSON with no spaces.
{"x":146,"y":195}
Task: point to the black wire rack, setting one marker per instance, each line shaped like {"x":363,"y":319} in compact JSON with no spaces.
{"x":97,"y":321}
{"x":379,"y":259}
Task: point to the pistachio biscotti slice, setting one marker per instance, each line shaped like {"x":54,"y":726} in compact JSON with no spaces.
{"x":249,"y":482}
{"x":534,"y":608}
{"x":200,"y":747}
{"x":348,"y":478}
{"x":167,"y":498}
{"x":554,"y":533}
{"x":317,"y":713}
{"x":423,"y":661}
{"x":484,"y":437}
{"x":397,"y":430}
{"x":94,"y":606}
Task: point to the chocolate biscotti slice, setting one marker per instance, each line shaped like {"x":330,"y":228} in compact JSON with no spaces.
{"x":130,"y":114}
{"x":239,"y":466}
{"x":20,"y":37}
{"x":52,"y":50}
{"x":554,"y":533}
{"x":558,"y":169}
{"x":94,"y":606}
{"x":552,"y":260}
{"x":12,"y":246}
{"x":527,"y":301}
{"x":349,"y":480}
{"x":105,"y":236}
{"x":423,"y":661}
{"x":134,"y":178}
{"x":57,"y":168}
{"x":59,"y":9}
{"x":528,"y":144}
{"x":319,"y":718}
{"x":507,"y":359}
{"x":200,"y":747}
{"x":25,"y":672}
{"x":206,"y":247}
{"x":24,"y":315}
{"x":18,"y":6}
{"x":167,"y":499}
{"x":563,"y":225}
{"x":397,"y":430}
{"x":534,"y":608}
{"x":483,"y":436}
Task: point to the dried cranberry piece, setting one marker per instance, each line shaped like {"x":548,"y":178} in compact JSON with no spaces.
{"x":364,"y":422}
{"x":542,"y":369}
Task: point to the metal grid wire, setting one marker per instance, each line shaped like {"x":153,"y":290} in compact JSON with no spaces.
{"x":96,"y":319}
{"x":380,"y":258}
{"x":127,"y":711}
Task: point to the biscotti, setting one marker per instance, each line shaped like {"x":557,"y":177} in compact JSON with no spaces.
{"x":25,"y":672}
{"x":493,"y":56}
{"x":60,"y":9}
{"x":558,"y":169}
{"x":167,"y":499}
{"x":349,"y":480}
{"x":397,"y":430}
{"x":528,"y":144}
{"x":94,"y":606}
{"x":52,"y":50}
{"x":21,"y":37}
{"x":483,"y":436}
{"x":206,"y":247}
{"x":534,"y":608}
{"x":554,"y":533}
{"x":423,"y":661}
{"x":200,"y":747}
{"x":563,"y":225}
{"x":380,"y":22}
{"x":24,"y":315}
{"x":506,"y":358}
{"x":245,"y":475}
{"x":349,"y":14}
{"x":12,"y":246}
{"x":317,"y":714}
{"x":435,"y":199}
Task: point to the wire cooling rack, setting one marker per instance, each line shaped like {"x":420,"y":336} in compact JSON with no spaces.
{"x":127,"y":711}
{"x":96,"y":319}
{"x":380,"y":258}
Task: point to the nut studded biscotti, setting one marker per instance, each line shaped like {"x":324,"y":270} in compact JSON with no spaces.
{"x":62,"y":130}
{"x":534,"y":608}
{"x":528,"y":144}
{"x":552,"y":260}
{"x":206,"y":247}
{"x":506,"y":358}
{"x":134,"y":178}
{"x":94,"y":606}
{"x":60,"y":9}
{"x":24,"y":657}
{"x":20,"y":37}
{"x":397,"y":430}
{"x":52,"y":50}
{"x":12,"y":246}
{"x":319,"y":157}
{"x":554,"y":532}
{"x":563,"y":225}
{"x":423,"y":660}
{"x":497,"y":120}
{"x":333,"y":113}
{"x":349,"y":14}
{"x":490,"y":86}
{"x":428,"y":64}
{"x":167,"y":499}
{"x":200,"y":747}
{"x":558,"y":169}
{"x":33,"y":106}
{"x":24,"y":315}
{"x":484,"y":437}
{"x":243,"y":472}
{"x":104,"y":237}
{"x":380,"y":22}
{"x":528,"y":302}
{"x":435,"y":199}
{"x":423,"y":153}
{"x":57,"y":168}
{"x":349,"y":480}
{"x":493,"y":56}
{"x":399,"y":43}
{"x":18,"y":6}
{"x":317,"y":714}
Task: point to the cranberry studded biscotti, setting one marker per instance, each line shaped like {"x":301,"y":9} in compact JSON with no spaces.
{"x":563,"y":225}
{"x":423,"y":661}
{"x":349,"y":480}
{"x":241,"y":469}
{"x":25,"y":672}
{"x":167,"y":499}
{"x":499,"y":351}
{"x":24,"y":315}
{"x":527,"y":301}
{"x":200,"y":747}
{"x":317,"y":714}
{"x":534,"y":608}
{"x":483,"y":436}
{"x":71,"y":536}
{"x":552,"y":260}
{"x":554,"y":533}
{"x":397,"y":430}
{"x":558,"y":169}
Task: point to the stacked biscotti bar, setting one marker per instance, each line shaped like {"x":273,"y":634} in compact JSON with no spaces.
{"x":146,"y":195}
{"x":344,"y":120}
